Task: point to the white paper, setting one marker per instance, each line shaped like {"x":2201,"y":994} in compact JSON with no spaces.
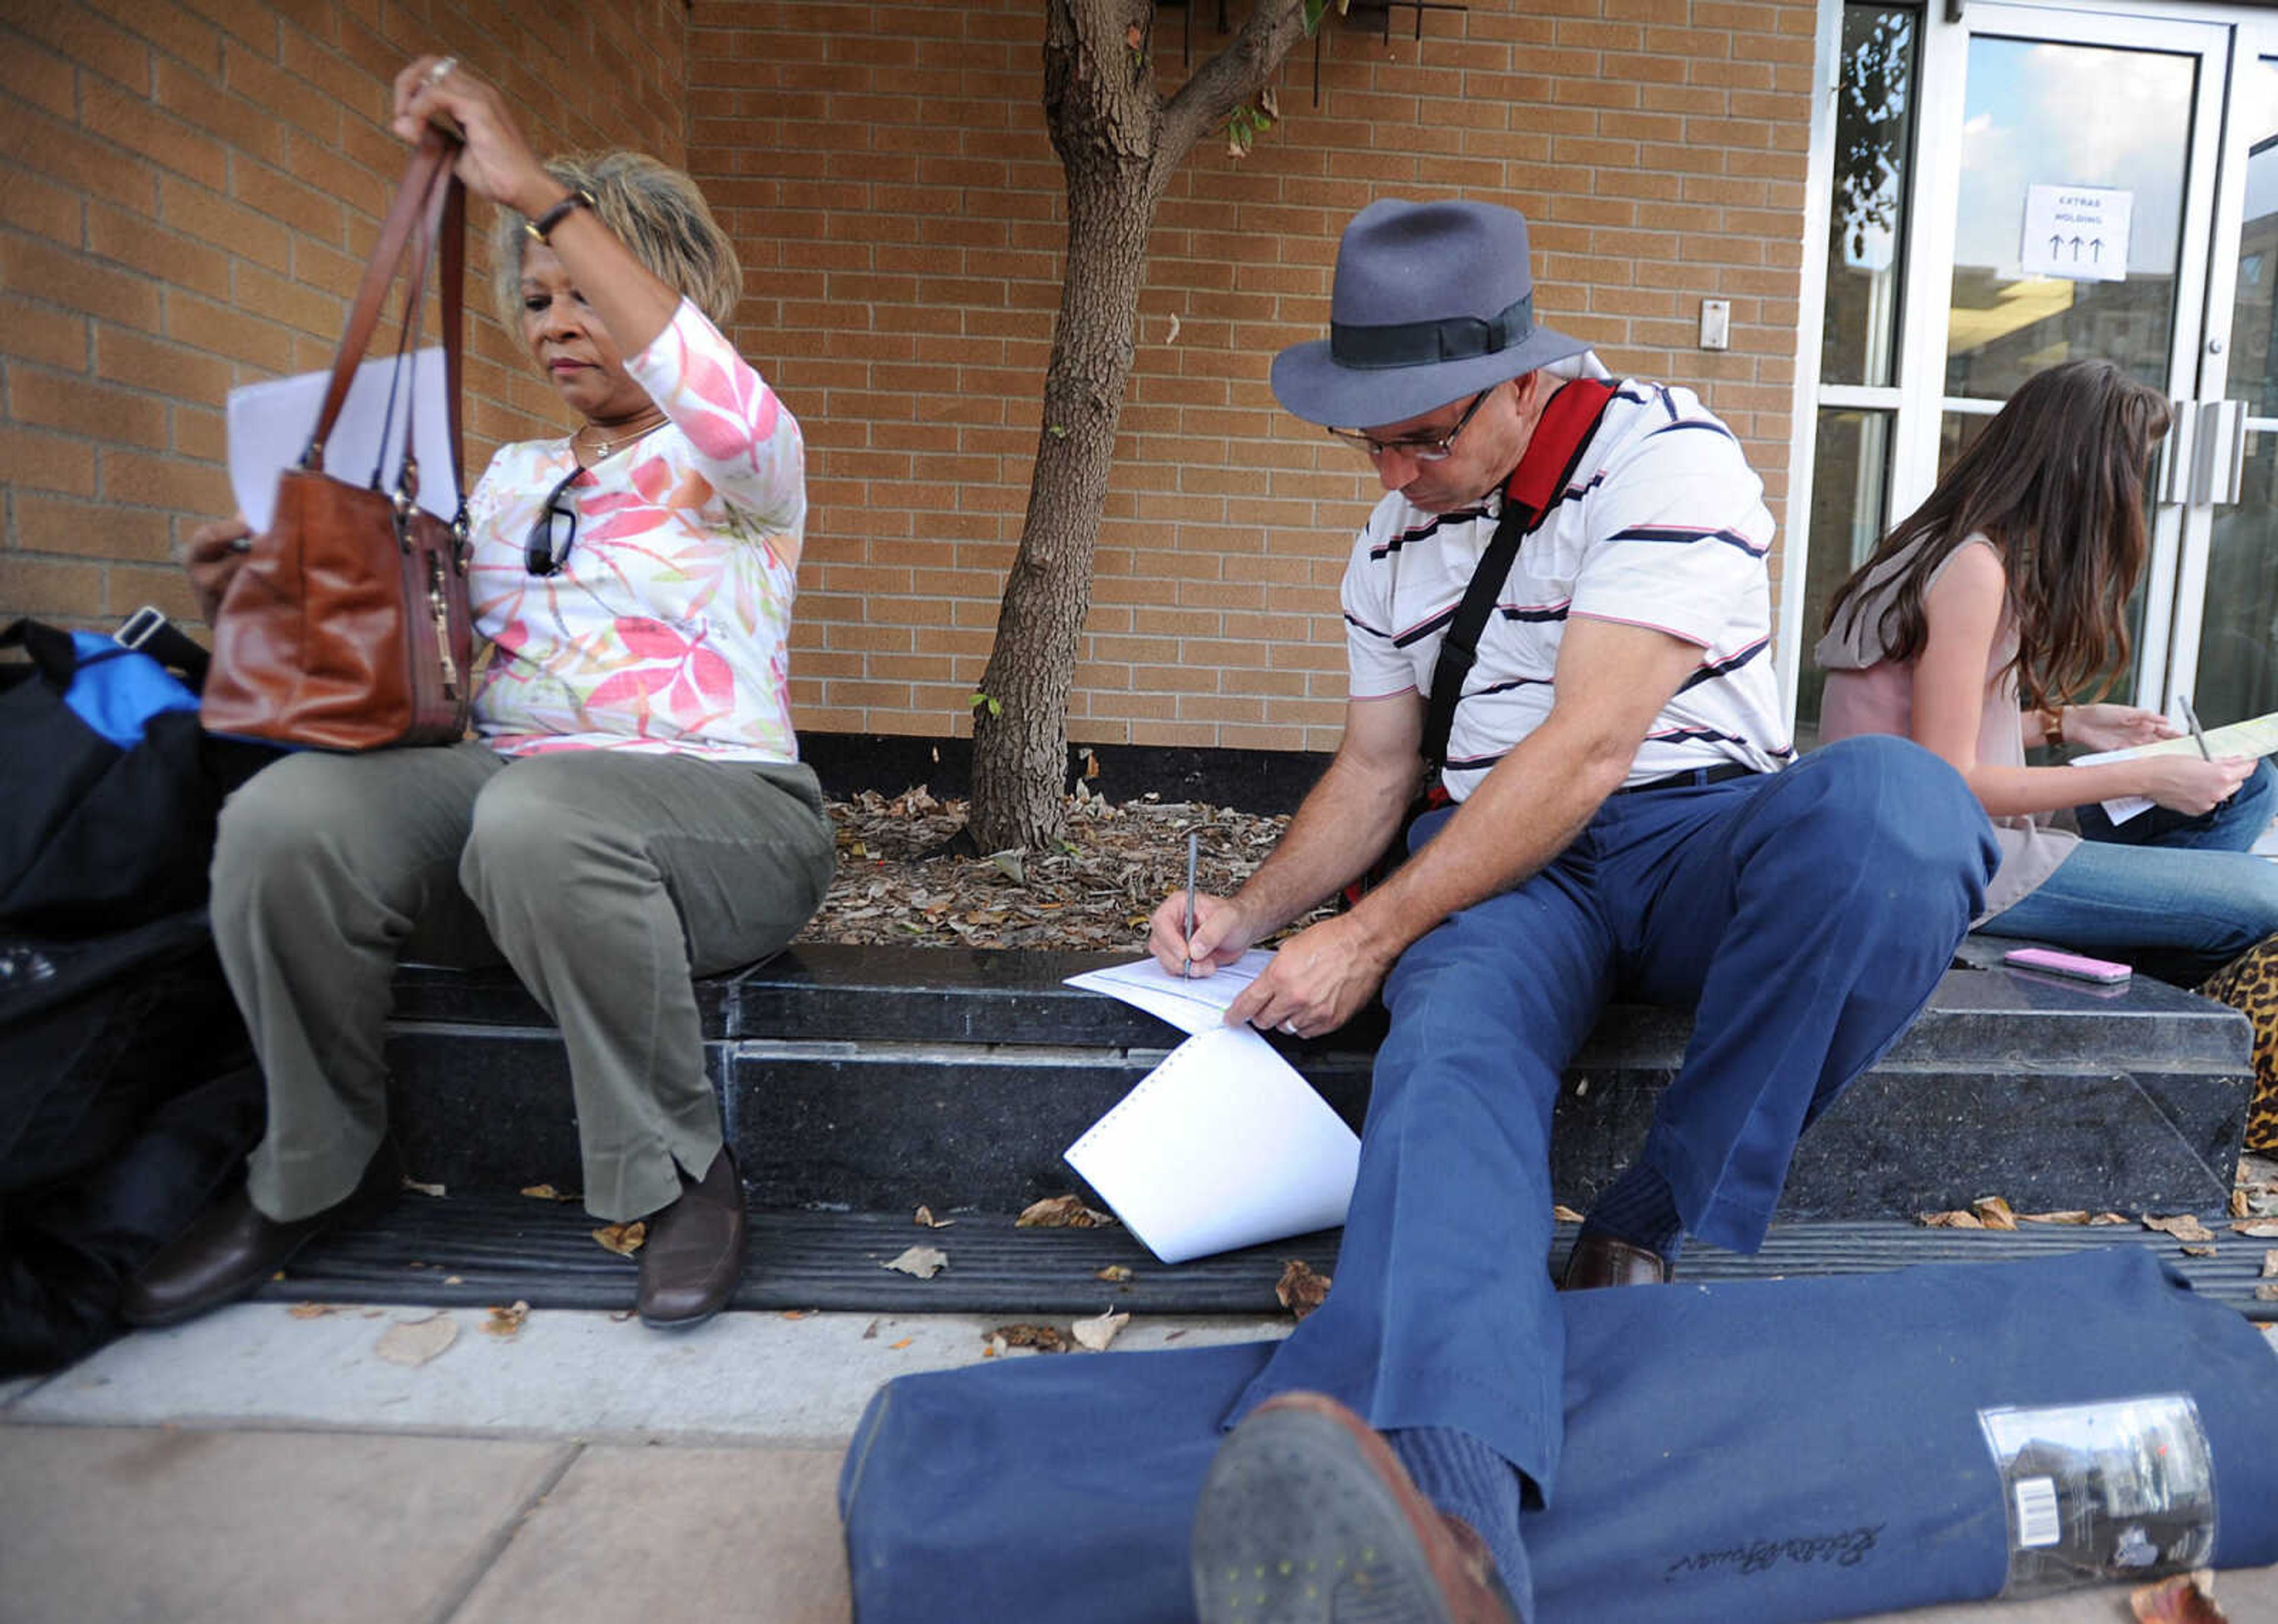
{"x":1191,"y":1004}
{"x":1221,"y":1146}
{"x":270,"y":424}
{"x":2079,"y":233}
{"x":2257,"y":736}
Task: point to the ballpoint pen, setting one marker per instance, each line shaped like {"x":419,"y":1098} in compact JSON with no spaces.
{"x":1194,"y":850}
{"x":2191,"y":720}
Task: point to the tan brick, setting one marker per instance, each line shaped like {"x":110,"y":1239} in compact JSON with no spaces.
{"x":52,"y":524}
{"x":30,"y":458}
{"x":76,"y":406}
{"x":49,"y":588}
{"x":166,"y":481}
{"x":30,"y":332}
{"x":131,"y":121}
{"x":210,"y":217}
{"x":78,"y":35}
{"x":122,"y":356}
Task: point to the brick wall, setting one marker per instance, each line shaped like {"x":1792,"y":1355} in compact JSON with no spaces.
{"x":187,"y":195}
{"x":885,"y":168}
{"x":185,"y":192}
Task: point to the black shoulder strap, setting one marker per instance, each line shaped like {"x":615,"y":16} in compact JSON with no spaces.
{"x":1569,"y":418}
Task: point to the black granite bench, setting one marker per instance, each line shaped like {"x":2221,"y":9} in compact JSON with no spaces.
{"x":876,"y":1079}
{"x":858,"y":1083}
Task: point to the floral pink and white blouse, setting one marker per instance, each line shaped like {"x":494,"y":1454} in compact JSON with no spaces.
{"x":665,"y":632}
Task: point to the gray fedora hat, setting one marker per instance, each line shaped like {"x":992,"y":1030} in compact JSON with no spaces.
{"x":1431,"y":302}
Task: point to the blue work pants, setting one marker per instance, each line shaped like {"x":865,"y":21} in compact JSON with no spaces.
{"x":1808,"y":914}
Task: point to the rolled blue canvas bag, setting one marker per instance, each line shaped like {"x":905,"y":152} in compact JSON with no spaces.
{"x":1775,"y":1451}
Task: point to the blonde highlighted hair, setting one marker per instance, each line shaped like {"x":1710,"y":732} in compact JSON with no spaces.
{"x":655,"y":211}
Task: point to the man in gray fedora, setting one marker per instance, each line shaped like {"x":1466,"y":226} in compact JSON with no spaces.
{"x":1627,"y":814}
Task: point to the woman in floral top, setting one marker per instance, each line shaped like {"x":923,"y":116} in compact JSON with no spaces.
{"x":633,"y":811}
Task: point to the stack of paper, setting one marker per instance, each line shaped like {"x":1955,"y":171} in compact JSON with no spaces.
{"x":270,"y":424}
{"x":1223,"y":1145}
{"x":2258,"y":736}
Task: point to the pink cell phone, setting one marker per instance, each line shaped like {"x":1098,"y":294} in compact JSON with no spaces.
{"x":2078,"y":966}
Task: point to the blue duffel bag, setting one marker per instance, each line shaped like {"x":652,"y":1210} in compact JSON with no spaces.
{"x":1772,"y":1451}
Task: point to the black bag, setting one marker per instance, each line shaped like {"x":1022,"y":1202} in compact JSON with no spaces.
{"x":127,"y":1094}
{"x":109,"y":818}
{"x":128,"y":1099}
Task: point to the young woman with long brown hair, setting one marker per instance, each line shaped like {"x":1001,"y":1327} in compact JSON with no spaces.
{"x":1990,"y":607}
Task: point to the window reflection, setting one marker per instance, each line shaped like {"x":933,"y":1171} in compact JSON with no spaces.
{"x":2023,"y":125}
{"x":1850,"y":509}
{"x":2236,"y":678}
{"x":1873,"y":151}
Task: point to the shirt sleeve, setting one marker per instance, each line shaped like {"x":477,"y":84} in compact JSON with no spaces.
{"x":745,"y":443}
{"x":1677,"y":536}
{"x":1376,"y":664}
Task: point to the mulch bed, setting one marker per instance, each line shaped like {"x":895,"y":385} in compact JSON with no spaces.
{"x":897,"y":884}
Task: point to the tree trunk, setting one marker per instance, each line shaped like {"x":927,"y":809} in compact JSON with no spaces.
{"x":1118,"y":143}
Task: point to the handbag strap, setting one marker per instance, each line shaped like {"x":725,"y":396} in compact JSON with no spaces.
{"x":429,"y":171}
{"x":1568,"y":420}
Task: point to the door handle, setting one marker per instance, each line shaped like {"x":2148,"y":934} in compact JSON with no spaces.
{"x":2171,"y":479}
{"x":2224,"y":450}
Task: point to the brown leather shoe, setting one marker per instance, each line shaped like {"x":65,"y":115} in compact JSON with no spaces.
{"x":230,"y":1248}
{"x":1307,"y":1516}
{"x":694,"y":1255}
{"x":1601,"y":1259}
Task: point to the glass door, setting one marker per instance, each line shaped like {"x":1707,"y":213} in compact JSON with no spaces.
{"x":2227,"y":588}
{"x":2073,"y":179}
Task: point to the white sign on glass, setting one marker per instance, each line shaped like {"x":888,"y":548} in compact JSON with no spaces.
{"x":2079,"y":233}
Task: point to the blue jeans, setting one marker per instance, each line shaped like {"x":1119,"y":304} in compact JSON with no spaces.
{"x":1806,"y":914}
{"x":2182,"y":894}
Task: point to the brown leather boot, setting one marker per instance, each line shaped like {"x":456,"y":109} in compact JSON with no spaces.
{"x":694,"y":1253}
{"x":230,"y":1248}
{"x":1602,"y":1261}
{"x":1308,"y":1517}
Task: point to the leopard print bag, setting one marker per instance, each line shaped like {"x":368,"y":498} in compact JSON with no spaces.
{"x":2249,"y":983}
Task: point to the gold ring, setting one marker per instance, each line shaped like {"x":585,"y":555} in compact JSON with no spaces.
{"x":441,"y":70}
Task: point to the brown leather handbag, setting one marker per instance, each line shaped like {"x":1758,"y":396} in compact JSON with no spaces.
{"x":347,"y":627}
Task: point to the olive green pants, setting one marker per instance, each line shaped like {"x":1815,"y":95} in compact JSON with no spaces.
{"x":605,"y":879}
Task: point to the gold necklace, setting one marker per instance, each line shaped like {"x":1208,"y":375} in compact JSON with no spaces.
{"x":602,"y":448}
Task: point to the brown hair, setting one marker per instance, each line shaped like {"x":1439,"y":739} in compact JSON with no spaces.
{"x":2056,"y":484}
{"x":655,"y":211}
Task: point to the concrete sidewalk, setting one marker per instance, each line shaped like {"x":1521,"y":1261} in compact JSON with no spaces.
{"x":256,"y":1467}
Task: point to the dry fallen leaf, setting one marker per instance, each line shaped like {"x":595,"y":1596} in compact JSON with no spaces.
{"x":920,"y":1262}
{"x":547,"y":1192}
{"x":2074,"y":1216}
{"x":414,"y":1342}
{"x":870,"y":1331}
{"x":506,"y":1322}
{"x":2264,"y":1229}
{"x":1114,"y":1274}
{"x":625,"y":1240}
{"x":2105,"y":1220}
{"x":622,"y":1315}
{"x":423,"y":1189}
{"x":2187,"y":1599}
{"x":2182,"y":1226}
{"x":2242,"y":1205}
{"x":797,"y":1314}
{"x":1562,"y":1213}
{"x":1300,"y":1290}
{"x":2266,"y":1291}
{"x":1993,"y":1213}
{"x":454,"y":1279}
{"x":1043,"y":1338}
{"x":1097,"y":1334}
{"x":1955,"y":1220}
{"x":926,"y":1220}
{"x":1061,"y":1212}
{"x":311,"y":1310}
{"x":2199,"y":1251}
{"x":899,"y":1347}
{"x":2270,"y":1263}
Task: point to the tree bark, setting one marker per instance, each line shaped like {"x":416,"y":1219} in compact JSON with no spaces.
{"x":1118,"y":143}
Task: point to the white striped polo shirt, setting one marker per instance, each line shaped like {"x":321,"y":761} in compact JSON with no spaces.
{"x":1662,"y":525}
